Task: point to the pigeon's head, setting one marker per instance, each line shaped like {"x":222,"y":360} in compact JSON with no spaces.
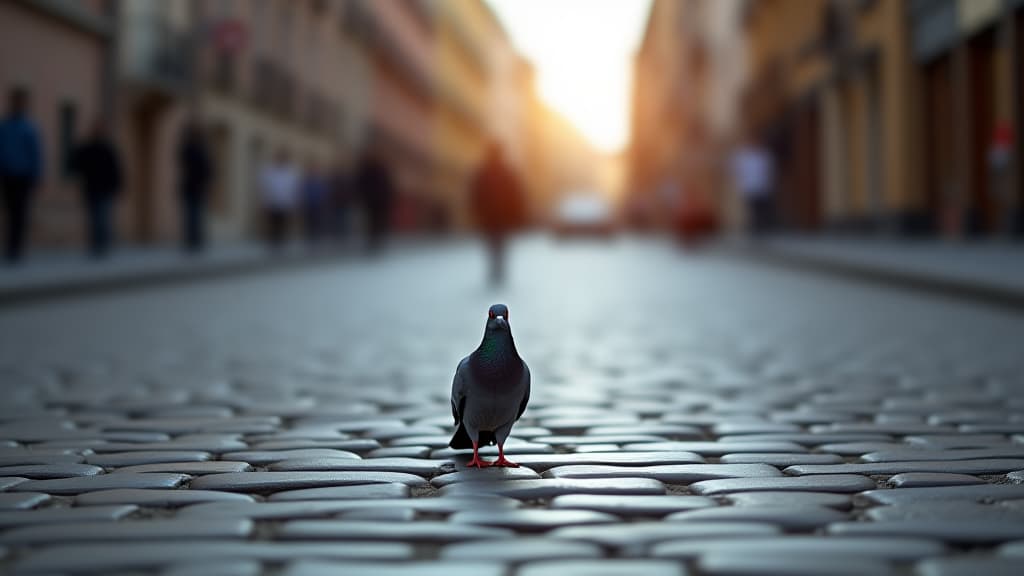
{"x":497,"y":317}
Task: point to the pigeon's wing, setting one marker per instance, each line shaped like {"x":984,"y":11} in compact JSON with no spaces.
{"x":459,"y":389}
{"x":526,"y":391}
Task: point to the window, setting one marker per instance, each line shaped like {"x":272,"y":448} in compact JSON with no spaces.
{"x":66,"y":118}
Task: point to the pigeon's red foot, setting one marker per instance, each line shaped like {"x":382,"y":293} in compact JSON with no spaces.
{"x":503,"y":462}
{"x":476,"y":461}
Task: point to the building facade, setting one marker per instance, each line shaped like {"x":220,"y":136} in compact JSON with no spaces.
{"x":897,"y":117}
{"x":65,"y":99}
{"x":688,"y":78}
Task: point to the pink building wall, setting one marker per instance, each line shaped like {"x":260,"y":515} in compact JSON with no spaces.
{"x":64,"y":65}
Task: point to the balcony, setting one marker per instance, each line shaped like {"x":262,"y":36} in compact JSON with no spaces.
{"x":273,"y":89}
{"x":155,"y":54}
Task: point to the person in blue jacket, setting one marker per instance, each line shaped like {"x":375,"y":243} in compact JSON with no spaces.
{"x":21,"y":163}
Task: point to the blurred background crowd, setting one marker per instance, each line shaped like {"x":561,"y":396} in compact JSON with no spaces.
{"x":213,"y":121}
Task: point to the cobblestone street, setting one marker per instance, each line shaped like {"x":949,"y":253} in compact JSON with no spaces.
{"x":691,"y":414}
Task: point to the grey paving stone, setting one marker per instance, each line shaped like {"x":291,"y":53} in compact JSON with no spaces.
{"x":400,"y":452}
{"x":54,"y":515}
{"x":957,"y":531}
{"x":781,"y":460}
{"x":671,"y":431}
{"x":991,"y":466}
{"x":670,"y":474}
{"x":428,"y":568}
{"x":484,"y":475}
{"x":265,"y":482}
{"x":975,"y":493}
{"x":22,"y":457}
{"x":958,"y":441}
{"x":118,"y":459}
{"x":385,"y":433}
{"x":542,"y":462}
{"x":968,"y":566}
{"x":379,"y":514}
{"x":159,"y":529}
{"x":853,"y":548}
{"x":632,"y":506}
{"x":532,"y":520}
{"x":902,"y":429}
{"x":359,"y":491}
{"x":157,"y":498}
{"x":839,"y":483}
{"x":264,"y":457}
{"x":523,"y":549}
{"x":715,"y":448}
{"x":320,"y":509}
{"x":421,"y":532}
{"x":909,"y":454}
{"x":358,"y":445}
{"x":190,"y":468}
{"x":71,"y":486}
{"x":595,"y":448}
{"x":806,"y":438}
{"x":923,"y":479}
{"x":791,"y":499}
{"x":420,"y":467}
{"x":1013,"y":549}
{"x":107,"y":558}
{"x":952,"y":510}
{"x":22,"y":500}
{"x":214,"y":443}
{"x":47,"y":471}
{"x":215,"y":568}
{"x":606,"y":567}
{"x":733,"y":565}
{"x":10,"y":482}
{"x":752,"y":427}
{"x":191,"y":425}
{"x":859,"y":448}
{"x":549,"y":488}
{"x":806,"y":518}
{"x":634,"y":539}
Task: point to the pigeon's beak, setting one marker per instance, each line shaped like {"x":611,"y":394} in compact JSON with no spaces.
{"x":500,"y":321}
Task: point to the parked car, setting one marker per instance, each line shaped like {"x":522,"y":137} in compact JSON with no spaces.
{"x":584,"y":214}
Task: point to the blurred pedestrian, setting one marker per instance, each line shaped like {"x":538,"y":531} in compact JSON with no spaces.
{"x":376,"y":191}
{"x":340,"y":201}
{"x":21,"y":164}
{"x":753,"y":173}
{"x":97,"y":165}
{"x":195,"y":172}
{"x":279,"y":184}
{"x":498,"y":205}
{"x":315,"y":191}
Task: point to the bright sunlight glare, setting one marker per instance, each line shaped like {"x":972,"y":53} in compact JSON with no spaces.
{"x":583,"y":52}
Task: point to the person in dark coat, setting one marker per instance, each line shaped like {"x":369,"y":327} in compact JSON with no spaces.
{"x":21,"y":165}
{"x":376,"y":190}
{"x":340,"y":201}
{"x":195,"y":169}
{"x":498,"y":205}
{"x":96,"y":164}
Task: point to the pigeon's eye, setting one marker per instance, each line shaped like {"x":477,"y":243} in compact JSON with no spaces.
{"x":490,"y":314}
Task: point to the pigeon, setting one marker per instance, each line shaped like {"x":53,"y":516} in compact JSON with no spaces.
{"x":490,"y":391}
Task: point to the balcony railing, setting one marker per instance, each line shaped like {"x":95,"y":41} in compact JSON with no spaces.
{"x":156,"y":53}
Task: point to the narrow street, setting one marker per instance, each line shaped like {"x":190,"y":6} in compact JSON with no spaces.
{"x":743,"y":418}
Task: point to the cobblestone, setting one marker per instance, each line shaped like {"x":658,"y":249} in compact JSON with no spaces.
{"x":690,"y":414}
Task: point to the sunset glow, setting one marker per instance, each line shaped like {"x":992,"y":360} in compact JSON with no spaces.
{"x":583,"y":52}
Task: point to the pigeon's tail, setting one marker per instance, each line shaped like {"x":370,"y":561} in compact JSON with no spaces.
{"x":461,"y":440}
